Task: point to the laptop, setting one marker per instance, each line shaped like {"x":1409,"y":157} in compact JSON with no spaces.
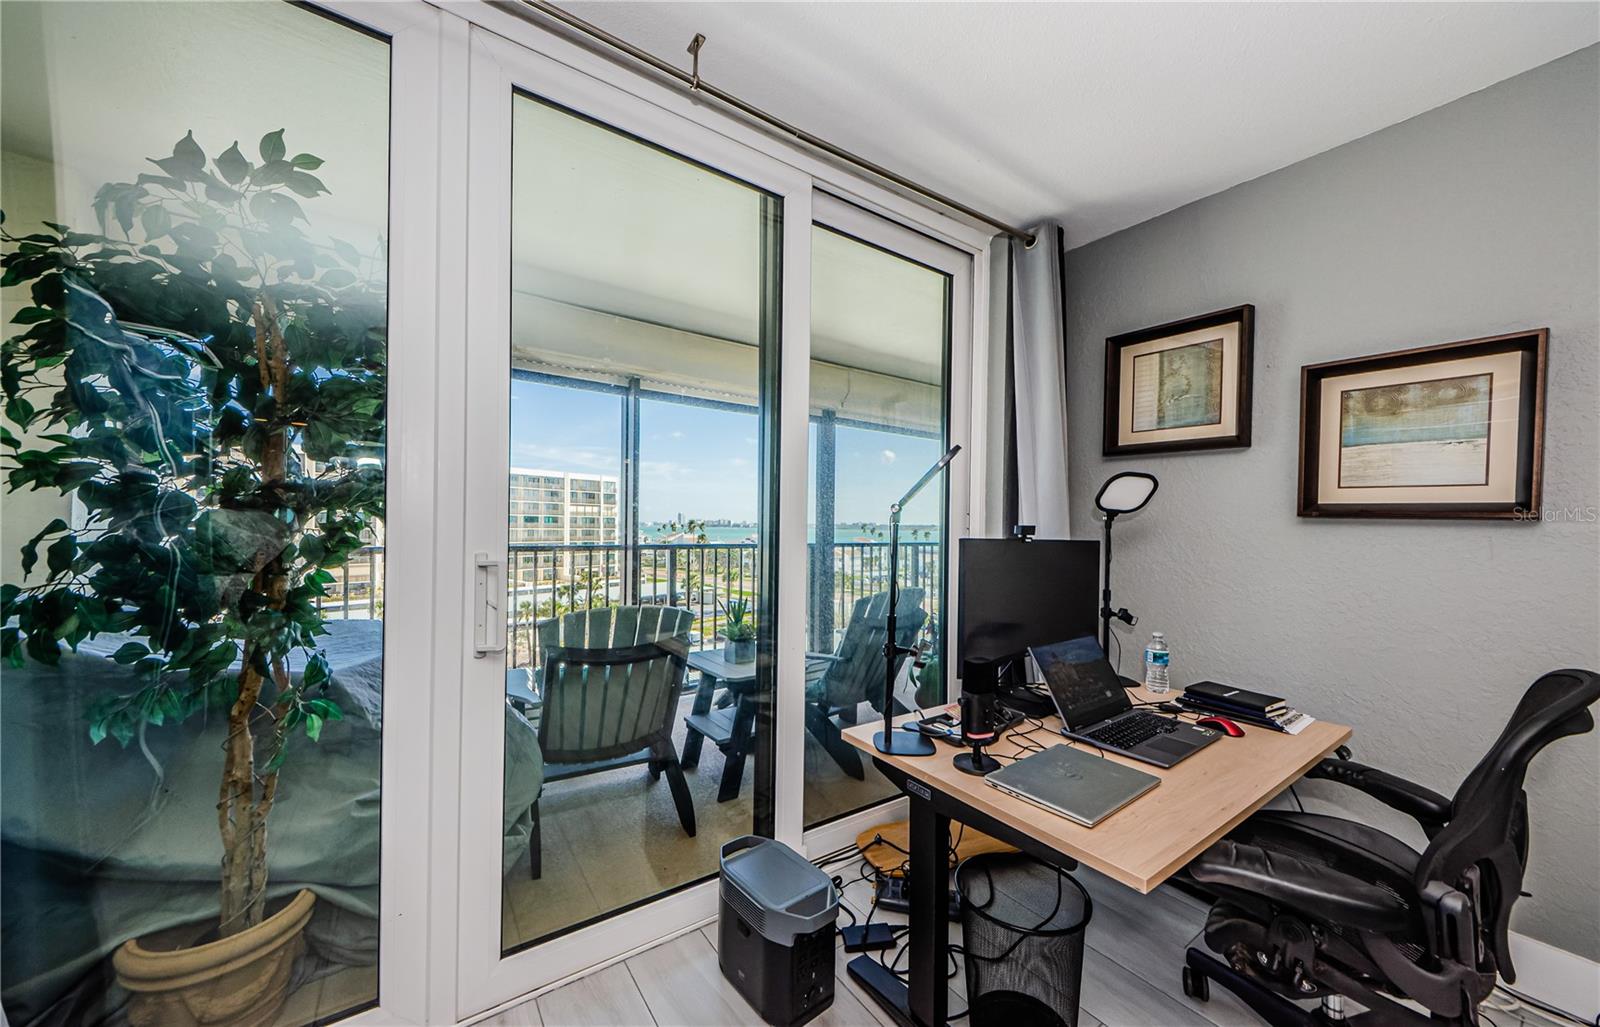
{"x":1095,"y":708}
{"x":1076,"y":784}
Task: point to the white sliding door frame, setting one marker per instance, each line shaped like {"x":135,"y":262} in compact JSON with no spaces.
{"x":411,"y":643}
{"x":875,"y":229}
{"x":498,"y":69}
{"x":440,"y":837}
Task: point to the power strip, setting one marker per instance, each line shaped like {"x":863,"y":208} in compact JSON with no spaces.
{"x":894,"y":895}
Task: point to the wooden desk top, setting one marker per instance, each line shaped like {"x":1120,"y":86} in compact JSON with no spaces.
{"x":1150,"y":839}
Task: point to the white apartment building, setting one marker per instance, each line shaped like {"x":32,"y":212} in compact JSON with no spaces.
{"x":559,"y":506}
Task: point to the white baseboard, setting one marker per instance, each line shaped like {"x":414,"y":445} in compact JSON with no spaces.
{"x":1556,"y":977}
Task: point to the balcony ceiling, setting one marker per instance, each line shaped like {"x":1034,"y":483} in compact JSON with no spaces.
{"x":604,"y":223}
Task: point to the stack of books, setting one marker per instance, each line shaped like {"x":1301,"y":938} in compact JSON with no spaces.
{"x":1244,"y":706}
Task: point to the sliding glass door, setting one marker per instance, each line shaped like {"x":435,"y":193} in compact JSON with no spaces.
{"x":889,"y":309}
{"x":421,"y":437}
{"x":625,"y":342}
{"x":673,"y":539}
{"x":639,"y":307}
{"x":196,"y":375}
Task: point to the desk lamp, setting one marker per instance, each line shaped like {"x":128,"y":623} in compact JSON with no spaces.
{"x":1122,"y":493}
{"x":889,"y":741}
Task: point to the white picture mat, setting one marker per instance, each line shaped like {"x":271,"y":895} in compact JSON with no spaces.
{"x":1504,"y":404}
{"x":1229,"y":334}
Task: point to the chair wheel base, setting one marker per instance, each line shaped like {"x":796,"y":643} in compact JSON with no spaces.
{"x":1195,"y":985}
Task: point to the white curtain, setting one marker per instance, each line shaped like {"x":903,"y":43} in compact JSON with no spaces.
{"x":1039,"y":401}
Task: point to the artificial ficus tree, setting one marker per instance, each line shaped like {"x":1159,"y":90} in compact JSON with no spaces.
{"x":208,"y":381}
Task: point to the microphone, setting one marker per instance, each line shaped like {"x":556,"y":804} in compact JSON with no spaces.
{"x":979,"y":679}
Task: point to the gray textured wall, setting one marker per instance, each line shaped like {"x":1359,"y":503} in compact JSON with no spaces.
{"x":1476,"y":218}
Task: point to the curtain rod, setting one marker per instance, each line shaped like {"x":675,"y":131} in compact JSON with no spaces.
{"x":696,"y":84}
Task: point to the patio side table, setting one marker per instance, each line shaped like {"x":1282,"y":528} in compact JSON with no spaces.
{"x":732,"y":728}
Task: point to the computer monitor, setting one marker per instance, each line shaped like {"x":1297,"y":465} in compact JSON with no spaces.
{"x":1016,"y":594}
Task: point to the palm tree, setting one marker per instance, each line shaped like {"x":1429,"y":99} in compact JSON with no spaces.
{"x":525,"y":615}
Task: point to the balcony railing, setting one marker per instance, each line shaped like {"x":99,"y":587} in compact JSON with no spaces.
{"x":547,"y":579}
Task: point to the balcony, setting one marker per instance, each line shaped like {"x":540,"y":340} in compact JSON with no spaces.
{"x":548,"y":579}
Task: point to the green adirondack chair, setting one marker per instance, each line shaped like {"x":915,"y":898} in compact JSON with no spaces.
{"x":610,"y":683}
{"x":837,"y":684}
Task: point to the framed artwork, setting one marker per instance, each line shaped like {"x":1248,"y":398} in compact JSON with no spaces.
{"x":1442,"y":431}
{"x":1180,"y":386}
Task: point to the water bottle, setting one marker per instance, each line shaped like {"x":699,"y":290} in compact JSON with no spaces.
{"x":1156,"y":659}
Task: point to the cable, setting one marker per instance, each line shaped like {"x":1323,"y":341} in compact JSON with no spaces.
{"x":1297,"y":801}
{"x":838,"y":882}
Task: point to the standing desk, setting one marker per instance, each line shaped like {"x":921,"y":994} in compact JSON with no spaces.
{"x":1141,"y":845}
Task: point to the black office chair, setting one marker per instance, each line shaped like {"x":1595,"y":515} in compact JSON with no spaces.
{"x":1313,"y":906}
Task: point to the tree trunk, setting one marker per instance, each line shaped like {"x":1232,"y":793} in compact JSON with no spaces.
{"x":241,"y":810}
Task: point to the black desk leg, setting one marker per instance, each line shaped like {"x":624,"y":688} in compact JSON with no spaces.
{"x":930,"y":897}
{"x":924,"y":1001}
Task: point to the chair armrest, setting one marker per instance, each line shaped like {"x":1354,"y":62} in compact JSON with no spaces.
{"x":1313,"y":889}
{"x":817,"y":664}
{"x":1426,"y":806}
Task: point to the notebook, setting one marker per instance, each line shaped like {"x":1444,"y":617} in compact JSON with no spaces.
{"x":1239,"y":698}
{"x":1075,"y":784}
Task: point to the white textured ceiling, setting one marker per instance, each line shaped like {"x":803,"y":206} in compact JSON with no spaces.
{"x":1099,"y":114}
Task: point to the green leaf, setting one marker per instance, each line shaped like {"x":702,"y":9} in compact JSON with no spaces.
{"x":19,"y":410}
{"x":313,"y":726}
{"x":187,"y":152}
{"x":347,"y":253}
{"x":58,"y":558}
{"x":32,"y":315}
{"x":275,"y":210}
{"x":216,"y":192}
{"x":272,"y":146}
{"x":155,"y":220}
{"x":30,"y":549}
{"x":232,"y":165}
{"x":97,"y":731}
{"x":325,"y":708}
{"x":121,"y":728}
{"x":309,"y":186}
{"x":11,"y":647}
{"x":306,"y":162}
{"x":317,"y":673}
{"x":131,"y":652}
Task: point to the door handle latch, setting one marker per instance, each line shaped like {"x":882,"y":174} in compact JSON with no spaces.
{"x":489,"y":620}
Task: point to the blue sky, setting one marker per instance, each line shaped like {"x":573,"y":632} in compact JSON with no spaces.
{"x":702,"y":462}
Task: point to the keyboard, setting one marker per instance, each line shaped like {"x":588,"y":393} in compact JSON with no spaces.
{"x":1131,"y":730}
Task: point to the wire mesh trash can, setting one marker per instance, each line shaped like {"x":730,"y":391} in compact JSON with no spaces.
{"x":775,"y":930}
{"x":1022,"y":926}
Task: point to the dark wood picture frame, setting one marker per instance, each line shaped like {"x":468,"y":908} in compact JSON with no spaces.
{"x":1244,"y":316}
{"x":1531,"y":344}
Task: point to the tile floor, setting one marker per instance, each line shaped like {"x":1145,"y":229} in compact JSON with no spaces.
{"x":1130,"y":976}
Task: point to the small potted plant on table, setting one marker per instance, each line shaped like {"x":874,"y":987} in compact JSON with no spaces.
{"x":739,"y":634}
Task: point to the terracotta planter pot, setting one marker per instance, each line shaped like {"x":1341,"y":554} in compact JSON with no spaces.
{"x":233,"y":982}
